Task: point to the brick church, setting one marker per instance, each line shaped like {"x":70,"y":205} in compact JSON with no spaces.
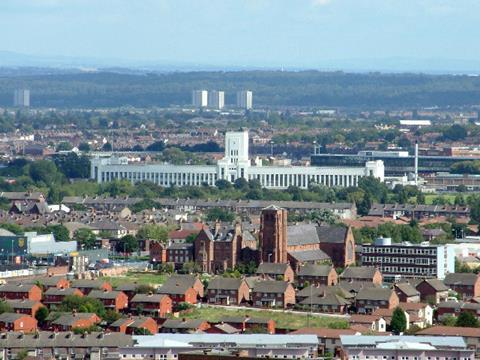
{"x":224,"y":246}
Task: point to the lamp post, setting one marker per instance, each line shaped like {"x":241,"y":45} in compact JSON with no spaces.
{"x":270,"y":257}
{"x":271,"y":147}
{"x":12,"y":251}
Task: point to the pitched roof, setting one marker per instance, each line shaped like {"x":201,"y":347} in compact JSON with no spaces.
{"x":11,"y":317}
{"x":468,"y":279}
{"x":221,"y":283}
{"x":16,"y":287}
{"x":375,"y":294}
{"x":55,"y":291}
{"x":183,"y":324}
{"x":359,"y":272}
{"x":272,"y":268}
{"x":309,"y":255}
{"x":436,"y":284}
{"x":407,"y":289}
{"x":148,"y":298}
{"x":326,"y":299}
{"x":302,"y":234}
{"x":332,"y":233}
{"x":101,"y":294}
{"x":271,"y":286}
{"x":314,"y":270}
{"x":87,"y":284}
{"x":22,"y":304}
{"x":450,"y":331}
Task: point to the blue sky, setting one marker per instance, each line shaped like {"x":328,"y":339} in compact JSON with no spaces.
{"x":302,"y":33}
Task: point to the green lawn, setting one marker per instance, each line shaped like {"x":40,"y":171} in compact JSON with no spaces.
{"x":430,"y":197}
{"x":283,"y":320}
{"x":143,"y":278}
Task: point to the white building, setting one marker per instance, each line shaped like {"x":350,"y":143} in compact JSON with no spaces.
{"x":245,"y":99}
{"x":21,"y":98}
{"x":406,"y":260}
{"x":168,"y":346}
{"x":216,"y":99}
{"x":234,"y":165}
{"x":200,"y":98}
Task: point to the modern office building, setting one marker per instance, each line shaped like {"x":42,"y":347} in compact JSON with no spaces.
{"x":200,"y":98}
{"x":21,"y":98}
{"x":245,"y":99}
{"x":236,"y":164}
{"x":405,"y":260}
{"x":216,"y":99}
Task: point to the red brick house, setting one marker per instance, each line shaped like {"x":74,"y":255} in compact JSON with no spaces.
{"x":370,"y":299}
{"x":17,"y":322}
{"x":129,"y":288}
{"x":133,"y":325}
{"x":27,"y":307}
{"x":327,"y":303}
{"x":54,"y":296}
{"x":155,"y":304}
{"x":115,"y":300}
{"x":273,"y":293}
{"x":18,"y":291}
{"x":316,"y":275}
{"x":276,"y":271}
{"x":227,"y":291}
{"x":85,"y":286}
{"x":47,"y":282}
{"x":455,"y":308}
{"x":182,"y":288}
{"x":184,"y":326}
{"x":362,"y":274}
{"x":432,"y":291}
{"x":466,"y":284}
{"x":407,"y":293}
{"x":158,"y":252}
{"x":68,"y":322}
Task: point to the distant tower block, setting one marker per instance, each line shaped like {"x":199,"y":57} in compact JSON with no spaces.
{"x":273,"y":235}
{"x":200,"y":98}
{"x":245,"y":99}
{"x":21,"y":98}
{"x":216,"y":99}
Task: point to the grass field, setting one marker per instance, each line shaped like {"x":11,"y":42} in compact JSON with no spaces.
{"x":140,"y":278}
{"x":283,"y":320}
{"x":430,"y":197}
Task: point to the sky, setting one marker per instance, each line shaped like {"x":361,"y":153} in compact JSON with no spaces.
{"x":246,"y":33}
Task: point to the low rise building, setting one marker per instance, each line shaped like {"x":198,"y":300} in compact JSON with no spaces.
{"x":405,"y":347}
{"x":407,"y":260}
{"x":168,"y":346}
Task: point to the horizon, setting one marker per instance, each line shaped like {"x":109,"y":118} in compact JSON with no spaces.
{"x":437,"y":36}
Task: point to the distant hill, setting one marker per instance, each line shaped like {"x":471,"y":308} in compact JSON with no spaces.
{"x":271,"y":88}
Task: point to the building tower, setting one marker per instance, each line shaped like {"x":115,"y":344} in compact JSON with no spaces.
{"x":216,"y":99}
{"x":21,"y":98}
{"x":245,"y":99}
{"x":200,"y":98}
{"x":273,"y":235}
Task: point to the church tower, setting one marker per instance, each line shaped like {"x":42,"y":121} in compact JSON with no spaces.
{"x":273,"y":235}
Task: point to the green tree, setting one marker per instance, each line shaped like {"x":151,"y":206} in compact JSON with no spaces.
{"x":153,"y":232}
{"x":467,"y":319}
{"x":5,"y":307}
{"x":82,"y":304}
{"x":455,"y":132}
{"x":41,"y":315}
{"x":60,"y":232}
{"x":64,"y":146}
{"x":85,"y":147}
{"x":85,"y":237}
{"x":220,"y":214}
{"x":399,"y":321}
{"x":128,"y":243}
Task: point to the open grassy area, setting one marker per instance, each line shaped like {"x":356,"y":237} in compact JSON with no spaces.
{"x":283,"y":320}
{"x":430,"y":197}
{"x":138,"y":277}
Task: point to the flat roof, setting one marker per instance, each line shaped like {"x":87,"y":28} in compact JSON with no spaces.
{"x":411,"y":342}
